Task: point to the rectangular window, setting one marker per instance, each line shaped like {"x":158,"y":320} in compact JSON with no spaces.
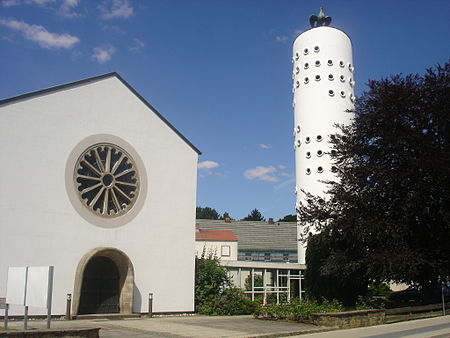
{"x":267,"y":256}
{"x":225,"y":252}
{"x":285,"y":256}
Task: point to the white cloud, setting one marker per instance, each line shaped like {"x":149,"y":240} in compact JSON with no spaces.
{"x":264,"y":146}
{"x":103,"y":53}
{"x":137,"y":44}
{"x":284,"y":184}
{"x":113,"y":28}
{"x":281,"y":38}
{"x":207,"y":165}
{"x":281,"y":166}
{"x":261,"y":173}
{"x":40,"y":35}
{"x":67,"y":8}
{"x":110,"y":9}
{"x":10,"y":3}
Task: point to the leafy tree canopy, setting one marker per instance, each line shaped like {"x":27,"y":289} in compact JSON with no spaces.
{"x":226,"y":215}
{"x":288,"y":218}
{"x":387,"y":216}
{"x":206,"y":213}
{"x":254,"y":215}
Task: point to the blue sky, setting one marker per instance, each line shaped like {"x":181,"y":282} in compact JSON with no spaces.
{"x":219,"y":71}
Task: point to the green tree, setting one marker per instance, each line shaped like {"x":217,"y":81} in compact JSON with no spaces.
{"x":254,"y":215}
{"x":288,"y":218}
{"x":226,"y":215}
{"x":258,"y":281}
{"x":387,"y":216}
{"x":210,"y":278}
{"x":319,"y":283}
{"x":206,"y":213}
{"x":214,"y":292}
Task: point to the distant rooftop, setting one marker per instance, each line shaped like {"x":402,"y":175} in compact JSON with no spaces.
{"x":257,"y":236}
{"x":215,"y":235}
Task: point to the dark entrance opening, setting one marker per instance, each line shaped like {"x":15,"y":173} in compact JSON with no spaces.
{"x":100,"y":288}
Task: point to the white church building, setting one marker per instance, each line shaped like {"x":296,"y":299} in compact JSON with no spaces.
{"x":90,"y":172}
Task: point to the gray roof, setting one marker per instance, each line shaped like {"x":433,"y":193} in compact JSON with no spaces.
{"x":258,"y":236}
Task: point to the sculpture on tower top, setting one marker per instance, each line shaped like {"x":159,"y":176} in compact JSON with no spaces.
{"x":319,"y":20}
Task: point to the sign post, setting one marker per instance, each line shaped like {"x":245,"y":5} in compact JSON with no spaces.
{"x":30,"y":286}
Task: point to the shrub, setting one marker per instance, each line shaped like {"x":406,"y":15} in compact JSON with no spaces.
{"x":297,"y":310}
{"x":229,"y":302}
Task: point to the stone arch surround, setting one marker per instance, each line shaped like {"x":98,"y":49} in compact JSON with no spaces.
{"x":126,"y":277}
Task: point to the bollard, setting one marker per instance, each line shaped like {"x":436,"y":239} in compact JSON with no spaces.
{"x":150,"y":305}
{"x":68,"y":306}
{"x":25,"y":318}
{"x":5,"y":318}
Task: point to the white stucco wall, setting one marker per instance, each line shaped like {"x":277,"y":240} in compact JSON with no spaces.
{"x":215,"y":247}
{"x":38,"y":223}
{"x":315,"y":110}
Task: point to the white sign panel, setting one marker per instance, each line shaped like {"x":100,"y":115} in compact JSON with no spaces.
{"x":15,"y":285}
{"x":38,"y":285}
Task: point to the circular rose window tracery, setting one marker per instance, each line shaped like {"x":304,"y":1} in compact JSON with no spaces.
{"x":107,"y":180}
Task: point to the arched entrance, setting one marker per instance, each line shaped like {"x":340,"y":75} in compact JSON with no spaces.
{"x":104,"y":283}
{"x":100,"y":288}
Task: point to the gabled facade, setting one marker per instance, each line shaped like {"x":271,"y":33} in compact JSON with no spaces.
{"x":90,"y":172}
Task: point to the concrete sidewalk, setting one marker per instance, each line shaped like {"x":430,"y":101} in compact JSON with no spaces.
{"x":183,"y":326}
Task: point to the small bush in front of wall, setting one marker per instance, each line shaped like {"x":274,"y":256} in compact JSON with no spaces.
{"x":297,"y":310}
{"x":228,"y":303}
{"x":361,"y":304}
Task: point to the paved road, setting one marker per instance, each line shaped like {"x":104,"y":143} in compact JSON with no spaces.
{"x":189,"y":326}
{"x":438,"y":327}
{"x":244,"y":326}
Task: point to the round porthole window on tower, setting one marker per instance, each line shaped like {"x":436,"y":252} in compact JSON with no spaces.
{"x":297,"y":70}
{"x":316,"y":49}
{"x":306,"y":80}
{"x":306,"y":65}
{"x":342,"y":78}
{"x":331,"y":92}
{"x":319,"y":170}
{"x":330,"y":77}
{"x":317,"y":77}
{"x":319,"y":153}
{"x":297,"y":56}
{"x":330,"y":62}
{"x":317,"y":63}
{"x":297,"y":84}
{"x":308,"y":171}
{"x":341,"y":64}
{"x":305,"y":51}
{"x":307,"y":139}
{"x":342,"y":94}
{"x":319,"y":138}
{"x":308,"y":154}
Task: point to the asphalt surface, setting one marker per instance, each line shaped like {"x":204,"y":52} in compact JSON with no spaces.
{"x":242,"y":326}
{"x":437,"y":327}
{"x":176,"y":326}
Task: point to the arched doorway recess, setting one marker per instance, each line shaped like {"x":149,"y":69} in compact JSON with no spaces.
{"x":104,"y":283}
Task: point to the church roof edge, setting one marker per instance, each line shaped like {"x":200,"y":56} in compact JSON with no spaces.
{"x":97,"y":78}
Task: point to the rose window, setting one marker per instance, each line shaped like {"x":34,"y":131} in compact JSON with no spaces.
{"x":107,"y":180}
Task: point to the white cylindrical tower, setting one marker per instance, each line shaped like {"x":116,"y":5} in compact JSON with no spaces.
{"x":323,"y":87}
